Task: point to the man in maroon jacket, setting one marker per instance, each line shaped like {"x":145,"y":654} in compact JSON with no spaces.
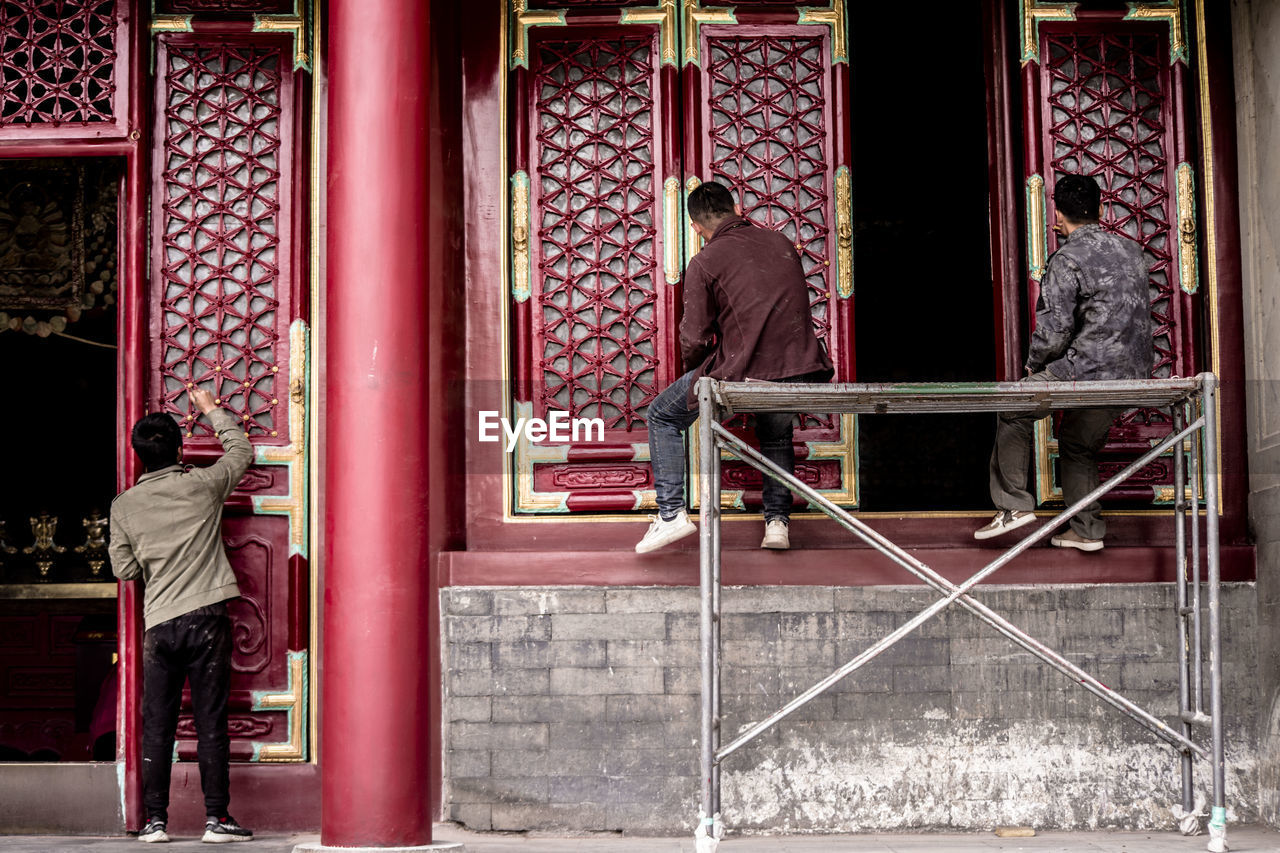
{"x":746,"y":316}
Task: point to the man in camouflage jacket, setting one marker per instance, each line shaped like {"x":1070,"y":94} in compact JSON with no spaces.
{"x":1093,"y":321}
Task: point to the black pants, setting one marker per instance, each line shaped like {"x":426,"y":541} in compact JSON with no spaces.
{"x":195,"y":645}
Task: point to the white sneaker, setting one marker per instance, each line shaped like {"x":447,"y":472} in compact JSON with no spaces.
{"x":777,"y":535}
{"x":1004,"y":521}
{"x":662,"y":533}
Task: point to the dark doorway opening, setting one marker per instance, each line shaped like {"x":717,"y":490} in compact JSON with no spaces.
{"x":922,"y":264}
{"x":59,"y":244}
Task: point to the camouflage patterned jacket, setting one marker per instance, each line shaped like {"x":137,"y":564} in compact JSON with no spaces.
{"x":1093,"y":317}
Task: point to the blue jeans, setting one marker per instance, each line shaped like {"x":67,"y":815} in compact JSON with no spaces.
{"x":670,"y":417}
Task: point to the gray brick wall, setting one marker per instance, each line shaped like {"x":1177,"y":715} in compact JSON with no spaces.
{"x":577,"y":709}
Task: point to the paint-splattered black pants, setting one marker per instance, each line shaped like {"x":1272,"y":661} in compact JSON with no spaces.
{"x":195,"y":646}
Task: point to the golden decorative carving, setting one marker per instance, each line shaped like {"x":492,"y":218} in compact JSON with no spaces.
{"x":294,"y":25}
{"x":294,"y":454}
{"x":694,"y":18}
{"x":521,"y":21}
{"x":844,"y":232}
{"x":1033,"y":12}
{"x":671,"y":213}
{"x":526,"y":455}
{"x":94,"y":546}
{"x":171,"y":24}
{"x":294,"y":704}
{"x":43,"y":527}
{"x":1188,"y":264}
{"x":521,"y":286}
{"x":1037,"y":255}
{"x":665,"y":17}
{"x":834,"y":18}
{"x":1170,"y":12}
{"x":693,"y":240}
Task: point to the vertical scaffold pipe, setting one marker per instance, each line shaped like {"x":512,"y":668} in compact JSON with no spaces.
{"x":717,"y":646}
{"x":708,"y":557}
{"x":1183,"y":620}
{"x":1218,"y":815}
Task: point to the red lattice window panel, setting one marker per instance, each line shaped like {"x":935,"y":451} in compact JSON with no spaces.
{"x":59,"y":65}
{"x":597,"y":322}
{"x":770,"y":144}
{"x":1107,"y":117}
{"x":222,"y":232}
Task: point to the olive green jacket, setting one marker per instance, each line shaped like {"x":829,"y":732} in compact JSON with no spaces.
{"x":167,"y":529}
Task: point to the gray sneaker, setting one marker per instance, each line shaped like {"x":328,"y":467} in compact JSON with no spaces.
{"x":661,"y":533}
{"x":1004,"y":521}
{"x":155,"y":831}
{"x":220,"y":830}
{"x":1071,"y":539}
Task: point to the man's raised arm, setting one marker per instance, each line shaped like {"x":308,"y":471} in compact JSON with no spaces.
{"x":224,"y":475}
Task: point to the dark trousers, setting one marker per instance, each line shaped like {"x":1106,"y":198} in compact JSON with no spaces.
{"x":670,"y":417}
{"x":195,"y":646}
{"x":1082,"y":433}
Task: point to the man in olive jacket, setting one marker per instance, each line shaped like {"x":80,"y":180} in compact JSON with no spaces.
{"x":167,"y":531}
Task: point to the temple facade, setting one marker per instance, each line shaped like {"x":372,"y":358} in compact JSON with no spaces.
{"x":379,"y":229}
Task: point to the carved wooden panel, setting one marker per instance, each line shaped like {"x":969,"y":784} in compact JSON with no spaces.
{"x":226,"y":295}
{"x":1108,"y":97}
{"x":598,"y":331}
{"x":770,"y":126}
{"x":596,"y":327}
{"x":62,"y":68}
{"x":222,"y":231}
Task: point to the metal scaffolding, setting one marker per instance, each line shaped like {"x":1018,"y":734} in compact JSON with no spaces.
{"x":1192,"y":406}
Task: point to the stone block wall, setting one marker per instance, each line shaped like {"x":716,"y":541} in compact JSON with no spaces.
{"x":577,"y":709}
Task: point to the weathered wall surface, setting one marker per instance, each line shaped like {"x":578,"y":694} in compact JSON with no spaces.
{"x":1256,"y":38}
{"x":577,"y":708}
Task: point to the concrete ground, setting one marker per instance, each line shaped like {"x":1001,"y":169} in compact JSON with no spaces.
{"x":1242,"y":839}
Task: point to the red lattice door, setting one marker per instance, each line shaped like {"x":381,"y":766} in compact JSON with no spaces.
{"x":602,"y":163}
{"x":765,"y":115}
{"x":227,"y":303}
{"x":1108,"y":96}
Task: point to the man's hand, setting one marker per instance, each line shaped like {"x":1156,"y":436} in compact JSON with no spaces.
{"x":203,"y":400}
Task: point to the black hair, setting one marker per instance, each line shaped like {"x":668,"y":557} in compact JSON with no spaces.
{"x":710,"y":203}
{"x":1077,"y":198}
{"x":156,"y":438}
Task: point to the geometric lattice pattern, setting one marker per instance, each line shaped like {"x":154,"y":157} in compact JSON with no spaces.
{"x":220,"y":225}
{"x":597,"y":316}
{"x":57,"y":61}
{"x":769,"y":144}
{"x":1107,"y":103}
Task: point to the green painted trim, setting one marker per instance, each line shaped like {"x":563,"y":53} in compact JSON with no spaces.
{"x":302,"y":10}
{"x":262,"y":453}
{"x":520,"y":34}
{"x":1177,"y":52}
{"x":1031,"y":47}
{"x":838,"y":57}
{"x":301,"y":707}
{"x":690,"y":45}
{"x":1036,"y":272}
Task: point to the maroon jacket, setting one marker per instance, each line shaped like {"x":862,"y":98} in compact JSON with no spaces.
{"x":746,"y":309}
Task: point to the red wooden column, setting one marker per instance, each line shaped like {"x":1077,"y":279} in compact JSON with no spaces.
{"x":375,"y":716}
